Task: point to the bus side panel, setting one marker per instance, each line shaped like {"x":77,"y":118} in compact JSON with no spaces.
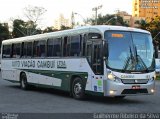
{"x":56,"y":73}
{"x":8,"y":72}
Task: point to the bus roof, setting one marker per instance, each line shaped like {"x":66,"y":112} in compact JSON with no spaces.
{"x":103,"y":28}
{"x":97,"y":28}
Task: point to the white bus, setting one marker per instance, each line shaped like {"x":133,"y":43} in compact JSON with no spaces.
{"x":103,"y":60}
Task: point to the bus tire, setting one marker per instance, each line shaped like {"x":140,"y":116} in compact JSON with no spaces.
{"x":23,"y":81}
{"x":78,"y":89}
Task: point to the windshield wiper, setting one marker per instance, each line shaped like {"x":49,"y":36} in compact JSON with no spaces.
{"x":131,"y":57}
{"x":140,"y":59}
{"x":135,"y":60}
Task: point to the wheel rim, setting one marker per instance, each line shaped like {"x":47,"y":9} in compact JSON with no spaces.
{"x":77,"y":89}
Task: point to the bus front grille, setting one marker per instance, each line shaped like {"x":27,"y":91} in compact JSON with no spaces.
{"x":134,"y":81}
{"x":134,"y":91}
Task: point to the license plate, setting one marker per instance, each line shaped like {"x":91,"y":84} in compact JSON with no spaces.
{"x":136,"y":87}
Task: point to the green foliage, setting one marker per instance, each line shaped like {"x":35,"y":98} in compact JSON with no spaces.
{"x":108,"y":20}
{"x":18,"y":28}
{"x":22,"y":28}
{"x":4,"y":32}
{"x":64,"y":27}
{"x":49,"y":29}
{"x":153,"y":26}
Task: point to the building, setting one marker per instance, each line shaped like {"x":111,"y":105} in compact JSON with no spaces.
{"x":127,"y":18}
{"x":61,"y":21}
{"x":136,"y":21}
{"x":146,"y":9}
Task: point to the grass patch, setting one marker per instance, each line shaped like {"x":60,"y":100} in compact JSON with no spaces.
{"x":158,"y":76}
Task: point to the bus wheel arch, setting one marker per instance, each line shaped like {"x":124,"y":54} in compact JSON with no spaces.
{"x":23,"y":81}
{"x":77,"y":87}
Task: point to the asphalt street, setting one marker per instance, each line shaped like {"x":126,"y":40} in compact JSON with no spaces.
{"x":40,"y":100}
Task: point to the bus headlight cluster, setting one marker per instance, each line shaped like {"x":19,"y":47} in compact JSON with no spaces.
{"x":151,"y":80}
{"x":110,"y":76}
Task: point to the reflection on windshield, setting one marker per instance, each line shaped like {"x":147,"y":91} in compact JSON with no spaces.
{"x":129,"y":51}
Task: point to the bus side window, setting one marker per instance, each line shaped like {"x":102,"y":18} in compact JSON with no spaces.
{"x":6,"y":51}
{"x":22,"y":50}
{"x":54,"y":47}
{"x":29,"y":50}
{"x":57,"y":47}
{"x":39,"y":48}
{"x":84,"y":39}
{"x":75,"y":46}
{"x":65,"y":46}
{"x":50,"y":47}
{"x":16,"y":48}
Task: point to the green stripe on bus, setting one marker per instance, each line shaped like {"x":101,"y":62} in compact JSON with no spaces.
{"x":65,"y":76}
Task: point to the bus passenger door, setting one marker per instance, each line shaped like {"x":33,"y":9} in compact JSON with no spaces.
{"x":94,"y":57}
{"x":89,"y":59}
{"x":97,"y":62}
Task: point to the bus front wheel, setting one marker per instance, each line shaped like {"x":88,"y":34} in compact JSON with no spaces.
{"x":78,"y":89}
{"x":23,"y":81}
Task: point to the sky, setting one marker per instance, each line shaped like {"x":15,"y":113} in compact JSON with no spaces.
{"x":11,"y":9}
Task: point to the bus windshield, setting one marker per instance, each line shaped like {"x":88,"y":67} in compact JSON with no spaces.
{"x":129,"y":51}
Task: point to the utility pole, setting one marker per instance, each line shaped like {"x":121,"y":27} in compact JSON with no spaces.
{"x":96,"y":9}
{"x":72,"y":20}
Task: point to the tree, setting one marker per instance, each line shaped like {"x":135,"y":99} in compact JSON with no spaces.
{"x":143,"y":24}
{"x":154,"y":27}
{"x":33,"y":14}
{"x":19,"y":29}
{"x":108,"y":19}
{"x":72,"y":20}
{"x":4,"y":32}
{"x":65,"y":27}
{"x":49,"y":29}
{"x":31,"y":28}
{"x":22,"y":28}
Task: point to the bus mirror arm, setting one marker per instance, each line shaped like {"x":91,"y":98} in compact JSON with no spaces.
{"x":156,"y":51}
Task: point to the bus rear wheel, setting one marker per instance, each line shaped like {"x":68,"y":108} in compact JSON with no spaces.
{"x":23,"y":81}
{"x":78,"y":89}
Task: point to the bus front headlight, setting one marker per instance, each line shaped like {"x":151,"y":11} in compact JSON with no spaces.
{"x":111,"y":76}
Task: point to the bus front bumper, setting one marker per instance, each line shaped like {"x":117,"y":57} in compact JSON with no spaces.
{"x":112,"y":88}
